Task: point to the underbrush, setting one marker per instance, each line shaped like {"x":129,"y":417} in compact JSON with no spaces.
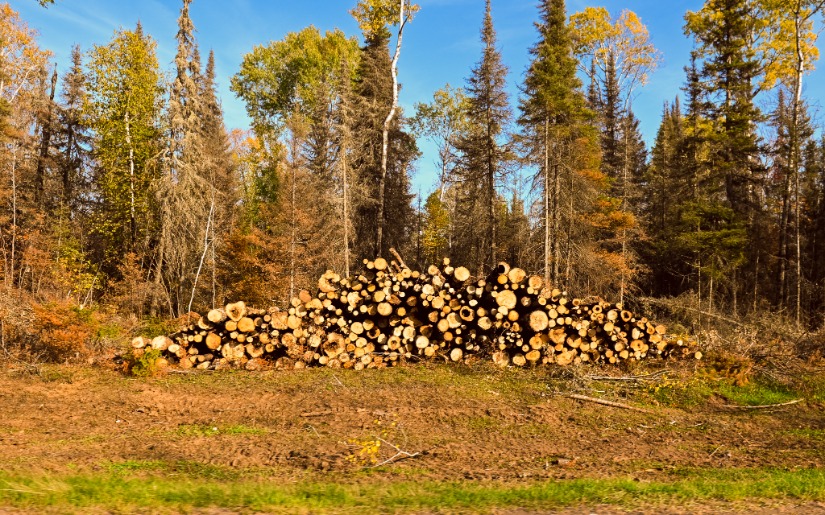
{"x":34,"y":331}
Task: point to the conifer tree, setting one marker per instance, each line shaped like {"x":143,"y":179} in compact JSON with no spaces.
{"x":373,"y":91}
{"x":188,"y":205}
{"x":723,"y":30}
{"x":482,"y":154}
{"x":73,"y":139}
{"x":611,"y":119}
{"x":580,"y":220}
{"x":46,"y":121}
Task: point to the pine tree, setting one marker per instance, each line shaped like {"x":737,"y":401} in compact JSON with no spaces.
{"x":373,"y":100}
{"x":813,"y":226}
{"x":220,"y":172}
{"x":723,"y":31}
{"x":579,"y":218}
{"x":482,"y":154}
{"x":73,"y":139}
{"x":612,"y":117}
{"x":785,"y":184}
{"x":188,"y":205}
{"x":46,"y":121}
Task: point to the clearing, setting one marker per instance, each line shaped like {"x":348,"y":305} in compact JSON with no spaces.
{"x":89,"y":439}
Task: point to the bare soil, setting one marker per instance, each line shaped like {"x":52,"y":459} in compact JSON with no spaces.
{"x":466,"y":423}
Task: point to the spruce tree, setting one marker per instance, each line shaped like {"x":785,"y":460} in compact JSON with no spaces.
{"x":73,"y":139}
{"x":187,"y":203}
{"x":611,"y":118}
{"x":723,"y":31}
{"x":46,"y":121}
{"x":482,"y":154}
{"x":373,"y":100}
{"x":562,"y":142}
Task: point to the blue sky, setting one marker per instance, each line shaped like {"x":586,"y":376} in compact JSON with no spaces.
{"x":440,"y":46}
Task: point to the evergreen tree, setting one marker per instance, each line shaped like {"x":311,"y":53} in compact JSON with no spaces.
{"x":813,"y":227}
{"x":46,"y":121}
{"x":612,"y":127}
{"x":580,"y":220}
{"x":723,"y":30}
{"x":187,"y":198}
{"x":784,"y":188}
{"x":220,"y":173}
{"x":373,"y":100}
{"x":73,"y":139}
{"x":482,"y":155}
{"x":664,"y":192}
{"x":515,"y":238}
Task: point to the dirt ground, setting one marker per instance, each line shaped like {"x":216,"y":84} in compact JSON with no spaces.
{"x":465,"y":424}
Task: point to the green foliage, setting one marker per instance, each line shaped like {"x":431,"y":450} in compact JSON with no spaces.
{"x":436,"y":231}
{"x":756,"y":393}
{"x":443,"y":121}
{"x":376,"y":16}
{"x":143,"y":362}
{"x":213,"y":430}
{"x":124,"y":84}
{"x":483,"y":154}
{"x":284,"y":77}
{"x":152,"y":326}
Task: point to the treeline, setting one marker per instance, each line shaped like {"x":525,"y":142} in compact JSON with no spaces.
{"x":122,"y":187}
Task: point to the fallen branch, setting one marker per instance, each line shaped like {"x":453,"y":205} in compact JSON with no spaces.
{"x":627,"y":378}
{"x":398,"y":456}
{"x":763,"y":406}
{"x":604,"y":402}
{"x":31,"y":492}
{"x":316,"y":414}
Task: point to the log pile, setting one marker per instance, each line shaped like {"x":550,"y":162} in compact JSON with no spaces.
{"x":390,"y":314}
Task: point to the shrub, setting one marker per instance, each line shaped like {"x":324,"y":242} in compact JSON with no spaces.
{"x":61,"y":330}
{"x":144,"y":362}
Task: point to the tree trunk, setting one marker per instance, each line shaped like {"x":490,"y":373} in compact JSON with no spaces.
{"x":795,"y":151}
{"x":45,"y":143}
{"x":203,"y":254}
{"x":132,"y":208}
{"x":345,"y":201}
{"x":386,"y":132}
{"x":547,"y":250}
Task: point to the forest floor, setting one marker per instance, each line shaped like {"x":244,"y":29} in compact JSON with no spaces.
{"x":88,"y":439}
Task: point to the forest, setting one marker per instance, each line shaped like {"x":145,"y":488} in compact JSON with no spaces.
{"x":126,"y":202}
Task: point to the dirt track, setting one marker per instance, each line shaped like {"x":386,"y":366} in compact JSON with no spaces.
{"x":465,"y":423}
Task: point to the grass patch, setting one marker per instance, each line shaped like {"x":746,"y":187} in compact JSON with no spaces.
{"x":756,"y":393}
{"x":681,"y":393}
{"x":813,"y":387}
{"x":116,"y":490}
{"x":170,"y":470}
{"x":213,"y":430}
{"x":810,"y":434}
{"x":696,"y":391}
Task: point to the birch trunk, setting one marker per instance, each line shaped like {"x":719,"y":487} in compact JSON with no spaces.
{"x":132,"y":210}
{"x":386,"y":132}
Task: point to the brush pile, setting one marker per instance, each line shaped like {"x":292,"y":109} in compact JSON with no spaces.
{"x":390,"y":314}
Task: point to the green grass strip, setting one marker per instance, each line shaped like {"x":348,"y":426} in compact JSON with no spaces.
{"x":123,"y":492}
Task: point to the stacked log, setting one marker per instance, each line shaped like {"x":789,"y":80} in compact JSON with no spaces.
{"x":389,"y":314}
{"x":233,"y":335}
